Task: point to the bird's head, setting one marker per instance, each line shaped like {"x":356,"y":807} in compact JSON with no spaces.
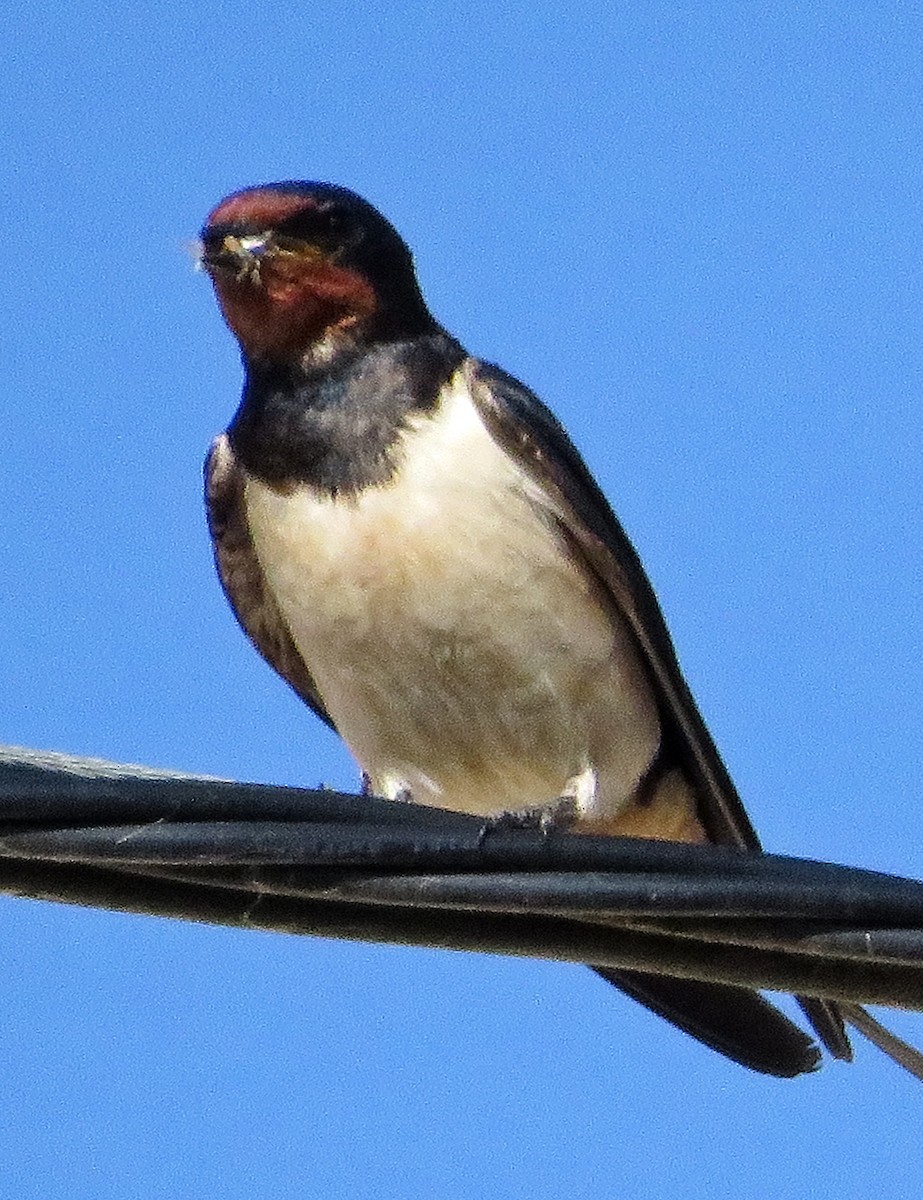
{"x":303,"y":270}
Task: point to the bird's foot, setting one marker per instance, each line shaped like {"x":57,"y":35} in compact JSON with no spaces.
{"x":546,"y":818}
{"x":576,"y":799}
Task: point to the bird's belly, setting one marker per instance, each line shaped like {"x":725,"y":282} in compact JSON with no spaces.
{"x":459,"y":650}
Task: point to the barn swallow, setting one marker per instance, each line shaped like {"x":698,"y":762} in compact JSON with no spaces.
{"x":410,"y":538}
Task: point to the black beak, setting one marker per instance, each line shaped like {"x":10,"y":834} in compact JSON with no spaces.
{"x":237,"y":255}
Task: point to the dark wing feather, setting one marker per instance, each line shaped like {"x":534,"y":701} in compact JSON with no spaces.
{"x":736,"y":1022}
{"x":519,"y":421}
{"x":531,"y":434}
{"x":242,"y":576}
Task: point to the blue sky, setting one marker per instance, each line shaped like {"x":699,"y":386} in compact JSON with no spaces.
{"x":694,"y":230}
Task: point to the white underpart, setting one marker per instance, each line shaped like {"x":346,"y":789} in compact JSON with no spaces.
{"x":462,"y":654}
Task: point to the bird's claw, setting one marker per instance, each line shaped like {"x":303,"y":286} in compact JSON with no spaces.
{"x":546,"y":818}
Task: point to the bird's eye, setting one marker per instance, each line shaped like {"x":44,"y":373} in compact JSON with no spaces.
{"x":325,"y":227}
{"x":345,"y":233}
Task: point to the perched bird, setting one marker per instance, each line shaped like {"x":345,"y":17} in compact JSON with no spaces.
{"x":411,"y":540}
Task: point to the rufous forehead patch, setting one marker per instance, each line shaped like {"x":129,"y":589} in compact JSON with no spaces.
{"x":262,"y":207}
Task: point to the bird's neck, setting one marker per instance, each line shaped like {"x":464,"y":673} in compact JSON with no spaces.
{"x":336,"y":427}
